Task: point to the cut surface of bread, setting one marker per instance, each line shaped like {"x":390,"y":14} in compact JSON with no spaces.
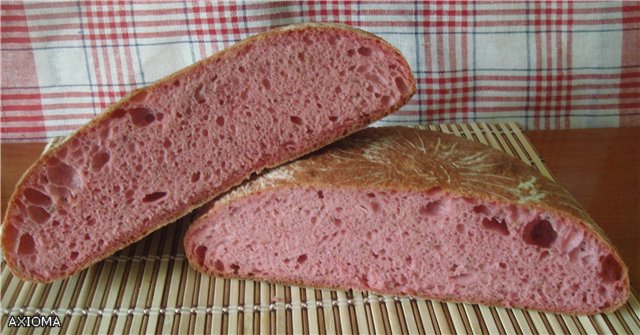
{"x":413,"y":212}
{"x":170,"y":147}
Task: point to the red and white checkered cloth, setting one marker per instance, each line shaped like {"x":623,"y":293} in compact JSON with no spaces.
{"x":541,"y":64}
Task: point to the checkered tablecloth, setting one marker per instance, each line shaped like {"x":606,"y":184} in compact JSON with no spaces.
{"x":541,"y":64}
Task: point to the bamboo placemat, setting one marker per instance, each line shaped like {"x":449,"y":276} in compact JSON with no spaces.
{"x":150,"y":288}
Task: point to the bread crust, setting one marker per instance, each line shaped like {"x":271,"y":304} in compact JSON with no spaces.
{"x":104,"y":116}
{"x":458,"y":166}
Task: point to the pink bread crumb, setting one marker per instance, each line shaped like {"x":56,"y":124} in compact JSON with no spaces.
{"x":427,"y":244}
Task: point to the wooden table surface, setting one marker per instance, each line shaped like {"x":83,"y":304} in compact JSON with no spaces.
{"x":600,"y":167}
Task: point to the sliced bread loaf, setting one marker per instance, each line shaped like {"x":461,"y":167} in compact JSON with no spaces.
{"x":413,"y":212}
{"x":168,"y":148}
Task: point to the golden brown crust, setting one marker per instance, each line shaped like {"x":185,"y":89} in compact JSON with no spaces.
{"x":409,"y":159}
{"x":98,"y":120}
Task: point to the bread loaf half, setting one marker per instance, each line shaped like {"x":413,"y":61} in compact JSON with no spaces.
{"x":413,"y":212}
{"x":167,"y":148}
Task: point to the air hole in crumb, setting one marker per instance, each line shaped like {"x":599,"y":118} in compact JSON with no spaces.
{"x":301,"y":56}
{"x":166,"y":143}
{"x":36,"y":197}
{"x":375,"y":206}
{"x":431,"y":208}
{"x":460,"y":228}
{"x":90,"y":220}
{"x":105,"y":132}
{"x":493,"y":224}
{"x":295,"y":120}
{"x":481,"y":209}
{"x":539,"y":232}
{"x":320,"y":195}
{"x":139,"y":97}
{"x":220,"y":121}
{"x":38,"y":214}
{"x":333,"y":118}
{"x":235,"y":268}
{"x":218,"y":265}
{"x":141,"y":116}
{"x":363,"y":68}
{"x":338,"y":90}
{"x":372,"y":77}
{"x":385,"y":101}
{"x":63,"y":175}
{"x":241,"y":69}
{"x":266,"y":83}
{"x":87,"y":237}
{"x":195,"y":177}
{"x":53,"y":161}
{"x":364,"y":51}
{"x":199,"y":95}
{"x":154,"y":196}
{"x":307,"y":40}
{"x":337,"y":222}
{"x":200,"y":254}
{"x":55,"y":223}
{"x":400,"y":84}
{"x":74,"y":255}
{"x":371,"y":195}
{"x":205,"y":133}
{"x":502,"y":265}
{"x":611,"y":269}
{"x":27,"y":245}
{"x":99,"y":160}
{"x":118,"y":113}
{"x":543,"y":255}
{"x":351,"y":52}
{"x":301,"y":259}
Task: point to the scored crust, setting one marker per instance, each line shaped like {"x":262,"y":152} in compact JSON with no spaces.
{"x":92,"y":125}
{"x":410,"y":159}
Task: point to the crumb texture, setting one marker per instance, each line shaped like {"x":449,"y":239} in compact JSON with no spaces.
{"x":428,"y":244}
{"x":192,"y":136}
{"x":407,"y":211}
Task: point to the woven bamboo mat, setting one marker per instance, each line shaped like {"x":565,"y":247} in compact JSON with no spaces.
{"x":150,"y":288}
